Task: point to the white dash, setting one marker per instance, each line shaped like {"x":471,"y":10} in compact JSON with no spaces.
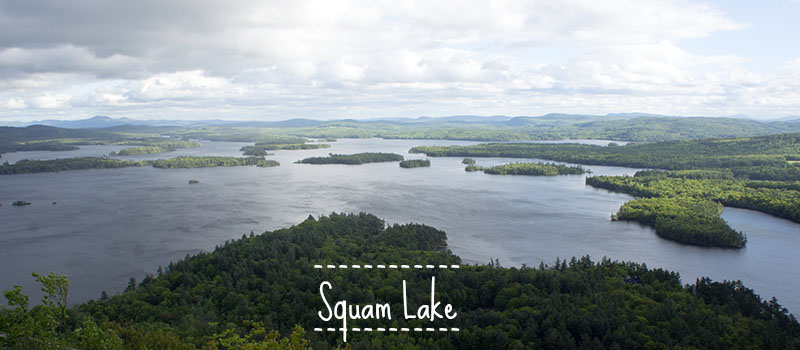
{"x":342,"y":266}
{"x":317,"y":329}
{"x":429,"y":329}
{"x":442,"y":329}
{"x":454,"y":329}
{"x":381,"y":266}
{"x":367,"y":266}
{"x":331,"y":329}
{"x":404,"y":329}
{"x":367,"y":329}
{"x":417,"y":329}
{"x":429,"y":266}
{"x":392,"y":266}
{"x":403,"y":266}
{"x":417,"y":266}
{"x":392,"y":329}
{"x":454,"y":266}
{"x":381,"y":329}
{"x":317,"y":266}
{"x":356,"y":266}
{"x":331,"y":266}
{"x":356,"y":329}
{"x":442,"y":266}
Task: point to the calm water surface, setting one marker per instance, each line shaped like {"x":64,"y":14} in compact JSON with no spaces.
{"x":111,"y":224}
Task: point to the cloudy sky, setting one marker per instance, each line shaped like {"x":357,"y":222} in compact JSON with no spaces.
{"x":271,"y":60}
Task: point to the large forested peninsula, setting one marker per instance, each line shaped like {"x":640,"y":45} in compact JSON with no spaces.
{"x":353,"y":159}
{"x":769,"y":153}
{"x":682,"y":204}
{"x":55,"y":165}
{"x":246,"y":287}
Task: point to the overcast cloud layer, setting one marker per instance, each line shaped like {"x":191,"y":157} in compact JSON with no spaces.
{"x":271,"y":60}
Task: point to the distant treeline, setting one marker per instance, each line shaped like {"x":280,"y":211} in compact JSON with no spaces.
{"x":55,"y":165}
{"x":358,"y":158}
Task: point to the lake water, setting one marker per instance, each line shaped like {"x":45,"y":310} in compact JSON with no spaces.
{"x":111,"y":224}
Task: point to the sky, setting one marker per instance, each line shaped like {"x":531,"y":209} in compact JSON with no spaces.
{"x":323,"y":59}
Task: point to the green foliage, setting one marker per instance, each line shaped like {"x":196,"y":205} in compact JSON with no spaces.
{"x":192,"y":182}
{"x":415,"y":163}
{"x":468,"y":161}
{"x":535,"y":169}
{"x":20,"y":203}
{"x":358,"y":158}
{"x":43,"y":327}
{"x":258,"y":339}
{"x":91,"y":337}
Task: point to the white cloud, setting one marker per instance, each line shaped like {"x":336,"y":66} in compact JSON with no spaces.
{"x":328,"y":59}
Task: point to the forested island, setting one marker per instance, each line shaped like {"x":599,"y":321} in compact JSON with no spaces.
{"x":274,"y":143}
{"x":55,"y":165}
{"x":682,"y":204}
{"x":212,"y":299}
{"x":353,"y":159}
{"x":533,"y":169}
{"x":415,"y":163}
{"x":154,"y":147}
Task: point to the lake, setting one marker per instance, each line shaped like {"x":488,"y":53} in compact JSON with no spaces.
{"x":111,"y":224}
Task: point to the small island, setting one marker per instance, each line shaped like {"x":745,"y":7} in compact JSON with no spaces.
{"x":353,"y":159}
{"x":530,"y":169}
{"x":192,"y":182}
{"x":20,"y":203}
{"x":155,"y":147}
{"x":535,"y":169}
{"x":468,"y":161}
{"x":415,"y":163}
{"x":281,"y":143}
{"x":472,"y":168}
{"x":210,"y":162}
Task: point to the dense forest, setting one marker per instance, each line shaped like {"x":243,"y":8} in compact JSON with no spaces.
{"x":415,"y":163}
{"x":534,"y":169}
{"x":236,"y":294}
{"x":55,"y":165}
{"x":357,"y":158}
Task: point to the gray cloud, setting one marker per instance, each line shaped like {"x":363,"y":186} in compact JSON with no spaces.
{"x":191,"y":58}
